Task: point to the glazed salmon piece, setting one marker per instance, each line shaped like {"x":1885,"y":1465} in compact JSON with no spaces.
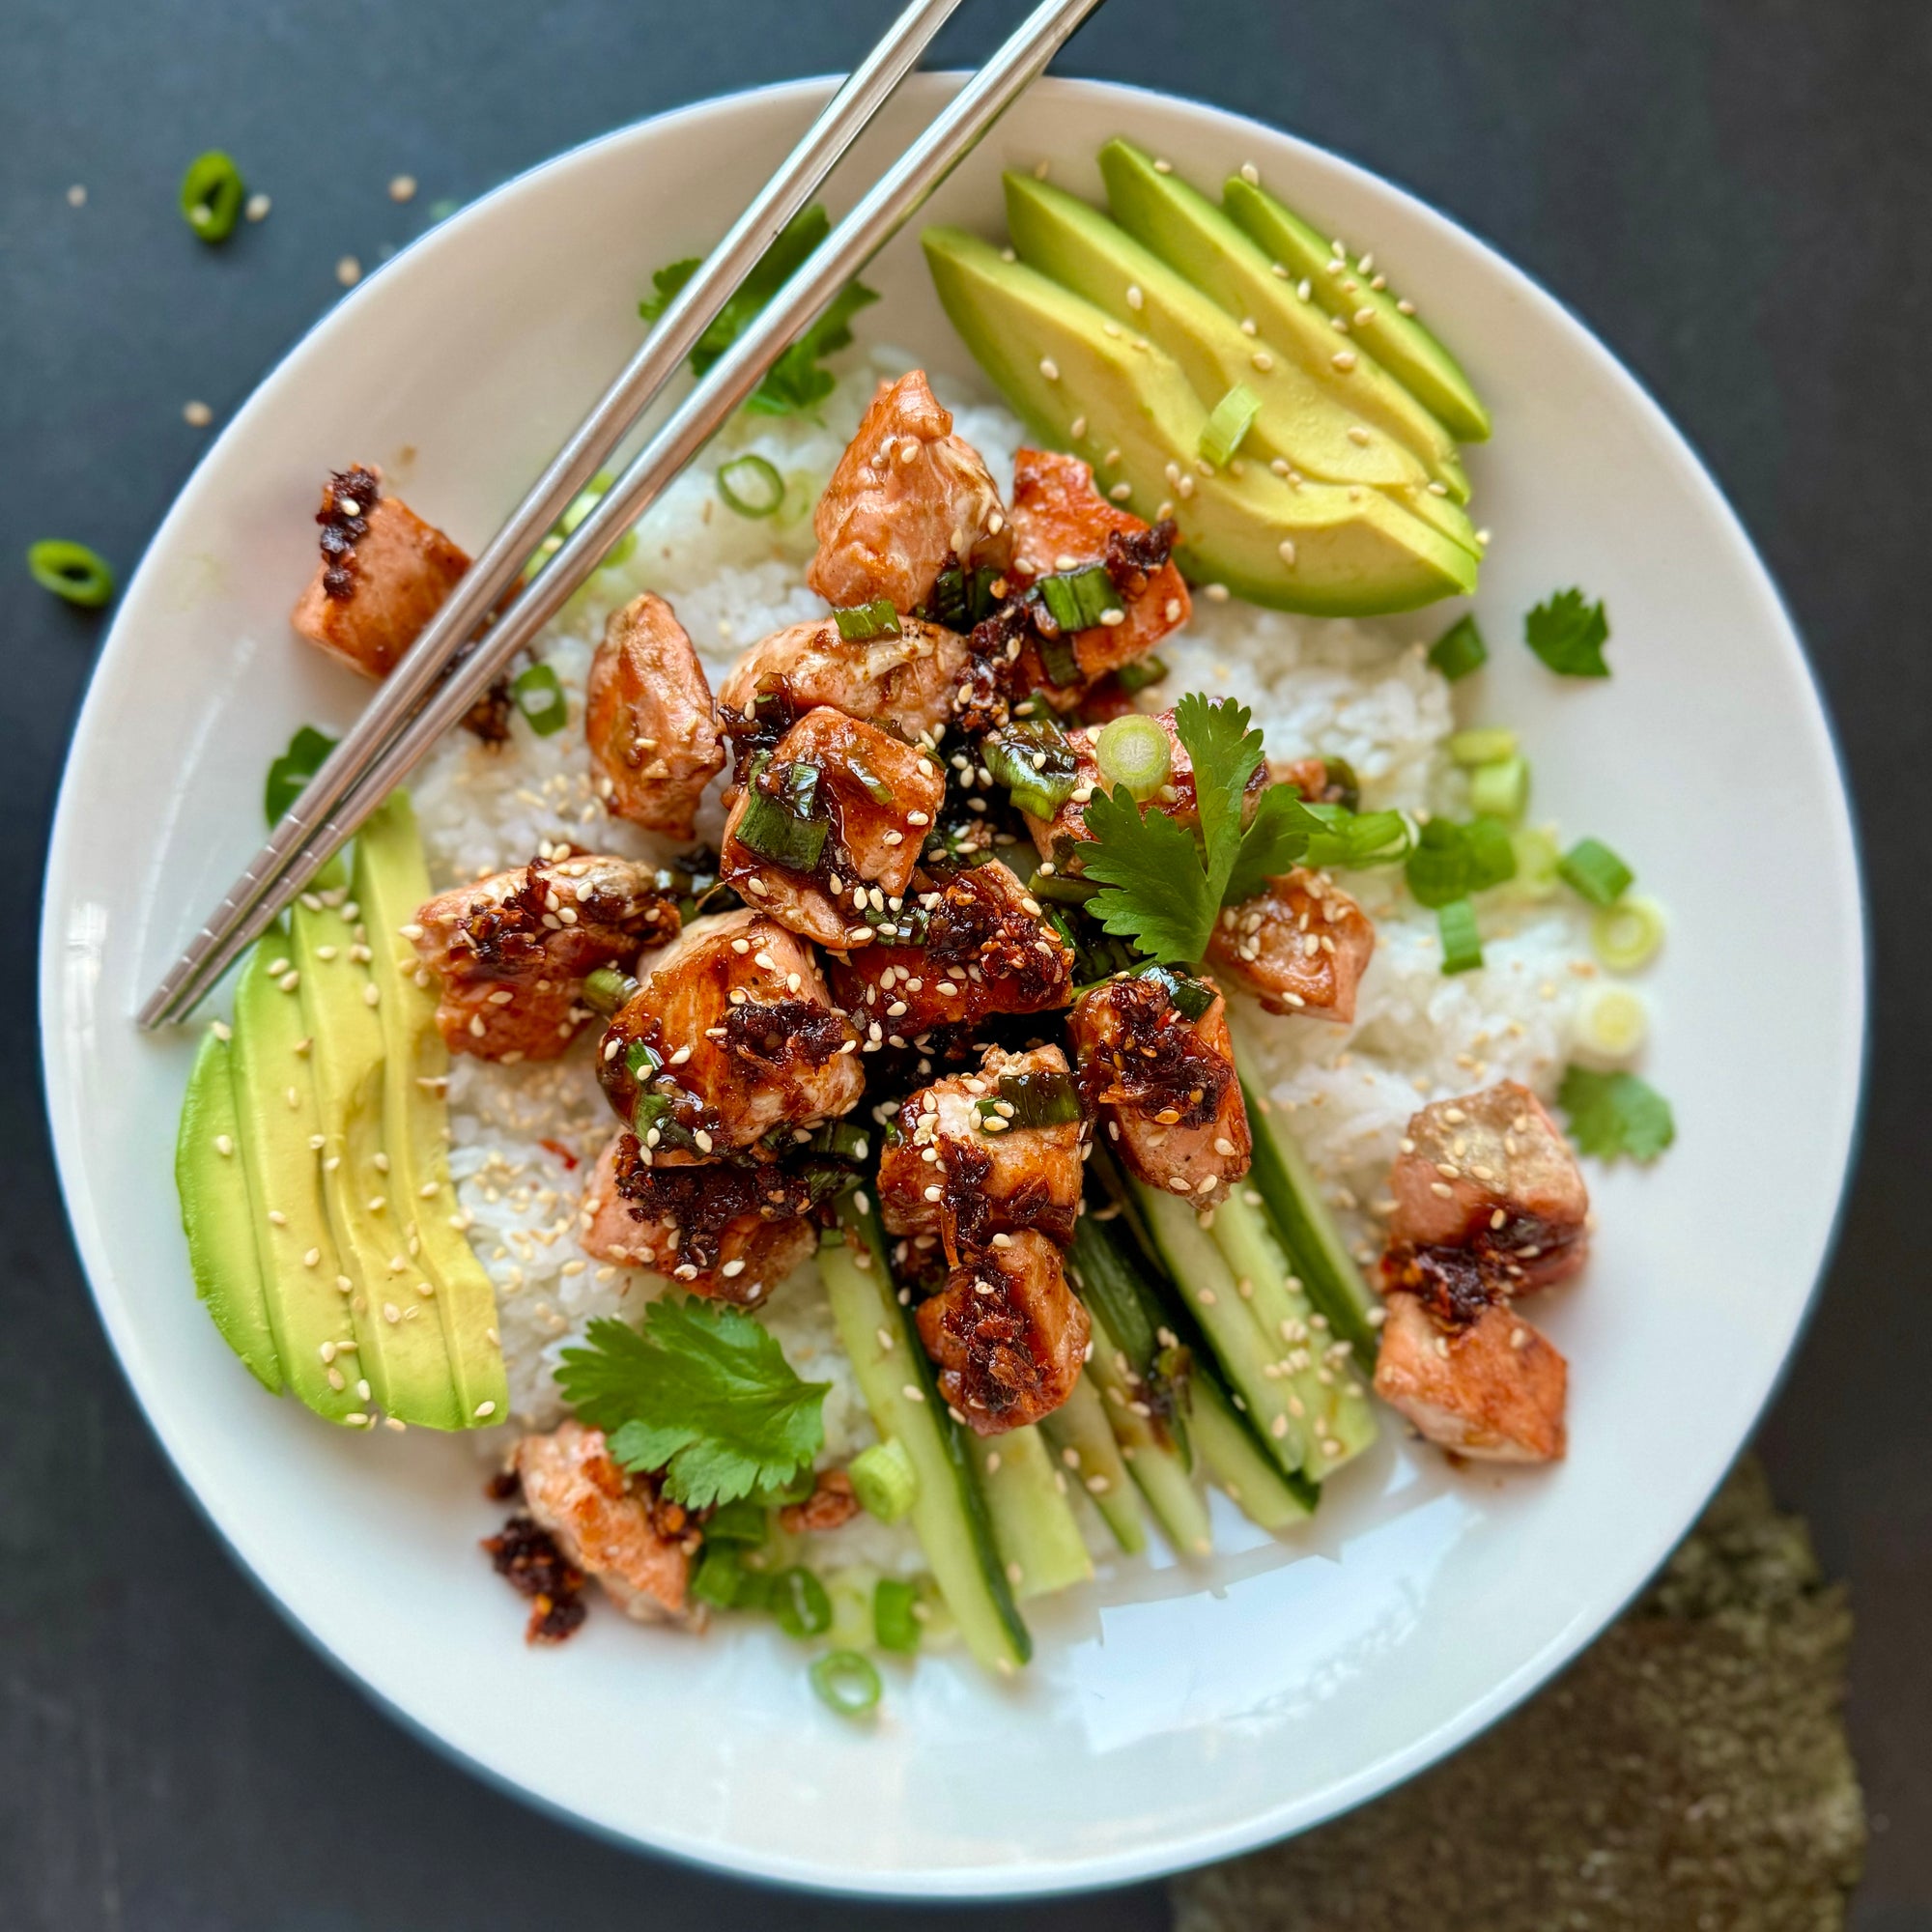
{"x":647,"y":716}
{"x":1164,"y":1084}
{"x":1006,"y":1334}
{"x":905,"y":681}
{"x":610,"y":1524}
{"x":988,"y":949}
{"x":1490,"y":1387}
{"x":908,"y":498}
{"x":965,"y":1166}
{"x":511,"y":952}
{"x":731,"y":1035}
{"x":1493,"y":1171}
{"x":1061,"y":521}
{"x":1301,"y":946}
{"x":1061,"y":837}
{"x":384,"y":574}
{"x":726,"y":1231}
{"x":874,"y":794}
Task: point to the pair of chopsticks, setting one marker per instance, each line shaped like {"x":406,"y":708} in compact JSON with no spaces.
{"x":451,"y":666}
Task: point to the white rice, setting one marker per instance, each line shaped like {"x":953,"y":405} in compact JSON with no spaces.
{"x":1363,"y":692}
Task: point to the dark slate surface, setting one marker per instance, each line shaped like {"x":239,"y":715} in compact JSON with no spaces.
{"x":1732,"y":195}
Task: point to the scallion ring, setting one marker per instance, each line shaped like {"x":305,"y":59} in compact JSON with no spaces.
{"x":1628,"y":933}
{"x":1500,"y":790}
{"x":211,"y":195}
{"x":1228,"y":423}
{"x":1593,"y":871}
{"x":540,"y":699}
{"x":1134,"y":752}
{"x":896,"y":1615}
{"x":72,"y":571}
{"x":750,"y":485}
{"x":1482,"y":746}
{"x":885,"y":1480}
{"x":1462,"y":943}
{"x":847,"y":1683}
{"x":1610,"y":1025}
{"x":800,"y":1604}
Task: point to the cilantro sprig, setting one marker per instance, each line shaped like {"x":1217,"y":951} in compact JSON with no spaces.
{"x":1568,"y":635}
{"x":702,"y":1393}
{"x":1162,"y":884}
{"x":794,"y":384}
{"x":1612,"y":1114}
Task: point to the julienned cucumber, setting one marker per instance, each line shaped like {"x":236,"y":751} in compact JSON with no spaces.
{"x":1236,"y":1461}
{"x":1078,"y":1435}
{"x":1302,"y":1224}
{"x":1159,"y":1473}
{"x":1034,"y":1524}
{"x":950,"y":1513}
{"x":1327,"y":1406}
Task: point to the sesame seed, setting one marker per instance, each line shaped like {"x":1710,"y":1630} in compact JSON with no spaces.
{"x":1163,"y":167}
{"x":1344,"y":359}
{"x":348,"y":271}
{"x":1049,"y":368}
{"x":1251,"y":174}
{"x":1262,"y":360}
{"x":197,"y":415}
{"x":403,"y":188}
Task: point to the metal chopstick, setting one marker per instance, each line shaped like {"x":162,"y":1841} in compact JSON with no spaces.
{"x":895,"y":197}
{"x":478,"y":593}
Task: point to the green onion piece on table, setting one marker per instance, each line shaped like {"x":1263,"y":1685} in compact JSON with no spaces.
{"x":1460,"y":649}
{"x":1482,"y":746}
{"x":894,"y":1615}
{"x":1500,"y":790}
{"x":540,"y":699}
{"x":863,"y":622}
{"x":1140,"y":672}
{"x":885,"y":1480}
{"x":750,"y":485}
{"x":1628,"y":933}
{"x":1593,"y":871}
{"x":845,"y":1683}
{"x":1134,"y":752}
{"x":1462,"y":943}
{"x":211,"y":195}
{"x":72,"y":571}
{"x":1228,"y":423}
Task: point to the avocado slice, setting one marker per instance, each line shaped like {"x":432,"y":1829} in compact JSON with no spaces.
{"x":1199,"y":242}
{"x":1321,"y":547}
{"x":391,"y":881}
{"x":1403,"y":344}
{"x":303,"y":1283}
{"x":211,"y":1179}
{"x":1301,"y":421}
{"x":403,"y":1354}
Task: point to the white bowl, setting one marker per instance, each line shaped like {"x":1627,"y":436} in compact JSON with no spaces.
{"x":1170,"y":1719}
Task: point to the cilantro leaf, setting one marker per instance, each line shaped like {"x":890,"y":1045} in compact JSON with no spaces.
{"x":1276,"y":840}
{"x":794,"y":384}
{"x":1156,"y":893}
{"x":1225,"y":755}
{"x":703,"y":1392}
{"x":1568,"y":635}
{"x":289,"y":775}
{"x":1615,"y":1113}
{"x":1451,"y":861}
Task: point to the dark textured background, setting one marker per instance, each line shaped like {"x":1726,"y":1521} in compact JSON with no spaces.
{"x":1732,"y":193}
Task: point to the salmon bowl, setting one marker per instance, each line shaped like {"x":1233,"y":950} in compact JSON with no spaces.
{"x":1178,"y":1704}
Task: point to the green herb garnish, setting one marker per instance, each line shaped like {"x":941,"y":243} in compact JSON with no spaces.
{"x":1460,"y":649}
{"x":211,"y":195}
{"x":750,"y":485}
{"x":1462,"y":943}
{"x":1568,"y":635}
{"x":701,"y":1392}
{"x":540,"y":699}
{"x":1035,"y":763}
{"x":1612,"y":1114}
{"x":1452,"y":861}
{"x":1593,"y":871}
{"x":1228,"y":423}
{"x":894,"y":1615}
{"x":863,"y":622}
{"x":1076,"y":600}
{"x":71,"y":570}
{"x":845,"y":1682}
{"x":290,"y":773}
{"x":1139,"y":672}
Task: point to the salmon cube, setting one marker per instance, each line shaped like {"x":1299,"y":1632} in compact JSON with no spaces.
{"x":1491,"y":1387}
{"x":1300,"y":945}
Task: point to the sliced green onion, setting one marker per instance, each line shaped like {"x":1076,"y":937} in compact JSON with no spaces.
{"x":609,"y":988}
{"x":72,"y":571}
{"x":863,"y":622}
{"x":1483,"y":745}
{"x":1228,"y":423}
{"x":1134,"y":752}
{"x":1593,"y":871}
{"x":1500,"y":790}
{"x":1137,"y":673}
{"x":1537,"y":856}
{"x":845,"y":1682}
{"x":1036,"y":761}
{"x":1192,"y":997}
{"x":1076,"y":600}
{"x":1356,"y":841}
{"x":211,"y":195}
{"x":1460,"y":649}
{"x":640,"y":1056}
{"x":1062,"y":661}
{"x":778,"y":831}
{"x":750,"y":485}
{"x":1611,"y":1022}
{"x":1451,"y":860}
{"x":873,"y":785}
{"x":1628,"y":933}
{"x":720,"y":1578}
{"x":289,"y":775}
{"x":1061,"y":887}
{"x":1046,"y":1098}
{"x":1462,"y":943}
{"x":885,"y":1480}
{"x":540,"y":699}
{"x":745,"y":1522}
{"x":961,"y":599}
{"x":1339,"y":777}
{"x":799,"y":1602}
{"x":894,"y":1615}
